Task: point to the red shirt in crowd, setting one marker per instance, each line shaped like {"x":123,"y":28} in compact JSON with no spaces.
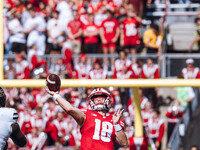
{"x":109,"y":27}
{"x":90,"y":28}
{"x":75,"y":26}
{"x":136,"y":70}
{"x":119,"y":64}
{"x":130,"y":31}
{"x":190,"y":73}
{"x":150,"y":71}
{"x":173,"y":116}
{"x":98,"y":74}
{"x":156,"y":129}
{"x":132,"y":143}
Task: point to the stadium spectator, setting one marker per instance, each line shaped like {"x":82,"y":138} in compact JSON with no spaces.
{"x":67,"y":58}
{"x":150,"y":70}
{"x":26,"y":14}
{"x":156,"y":129}
{"x":190,"y":71}
{"x":185,"y":95}
{"x":134,"y":142}
{"x":65,"y":12}
{"x":136,"y":69}
{"x":86,"y":6}
{"x":74,"y":33}
{"x":32,"y":137}
{"x":54,"y":31}
{"x":42,"y":9}
{"x":124,"y":93}
{"x":143,"y":100}
{"x":83,"y":67}
{"x":35,"y":27}
{"x":97,"y":72}
{"x":26,"y":97}
{"x":174,"y":114}
{"x":17,"y":37}
{"x":121,"y":15}
{"x":21,"y":68}
{"x":25,"y":119}
{"x":60,"y":69}
{"x":37,"y":120}
{"x":197,"y":35}
{"x":41,"y":97}
{"x":147,"y":113}
{"x":152,"y":39}
{"x":109,"y":34}
{"x":9,"y":68}
{"x":129,"y":37}
{"x":58,"y":128}
{"x":18,"y":6}
{"x":36,"y":64}
{"x":100,"y":15}
{"x":120,"y":63}
{"x":75,"y":97}
{"x":90,"y":33}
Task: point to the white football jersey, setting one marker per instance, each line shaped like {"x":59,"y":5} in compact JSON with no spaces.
{"x":8,"y":116}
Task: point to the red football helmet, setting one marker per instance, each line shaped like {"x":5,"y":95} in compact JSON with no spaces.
{"x":100,"y":92}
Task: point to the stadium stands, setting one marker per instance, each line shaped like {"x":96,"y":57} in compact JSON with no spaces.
{"x":37,"y":44}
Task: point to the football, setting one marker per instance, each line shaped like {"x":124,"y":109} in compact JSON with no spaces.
{"x":53,"y":82}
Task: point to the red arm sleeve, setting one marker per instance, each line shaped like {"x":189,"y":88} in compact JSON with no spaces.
{"x":27,"y":73}
{"x":114,"y":74}
{"x":134,"y":75}
{"x":76,"y":74}
{"x":34,"y":62}
{"x":168,"y":114}
{"x":54,"y":133}
{"x":72,"y":140}
{"x":161,"y":133}
{"x":143,"y":75}
{"x":157,"y":74}
{"x":198,"y":75}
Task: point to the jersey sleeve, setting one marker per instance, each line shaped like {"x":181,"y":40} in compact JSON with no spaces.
{"x":14,"y":116}
{"x":84,"y":111}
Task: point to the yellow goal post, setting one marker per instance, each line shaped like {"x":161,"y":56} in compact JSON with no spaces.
{"x":130,"y":83}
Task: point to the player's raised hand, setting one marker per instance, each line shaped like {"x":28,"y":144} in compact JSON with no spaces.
{"x":117,"y":115}
{"x":49,"y":92}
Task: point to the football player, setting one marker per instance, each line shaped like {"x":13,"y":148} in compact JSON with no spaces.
{"x":98,"y":129}
{"x":9,"y":126}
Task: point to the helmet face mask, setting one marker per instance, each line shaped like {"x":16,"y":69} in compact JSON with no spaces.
{"x":100,"y":92}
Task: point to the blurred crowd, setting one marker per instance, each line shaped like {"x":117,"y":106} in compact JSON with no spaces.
{"x":34,"y":28}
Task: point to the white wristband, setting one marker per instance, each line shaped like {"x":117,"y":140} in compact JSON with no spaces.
{"x":55,"y":96}
{"x":117,"y":127}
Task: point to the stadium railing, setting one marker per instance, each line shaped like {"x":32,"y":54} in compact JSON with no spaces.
{"x":170,"y":64}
